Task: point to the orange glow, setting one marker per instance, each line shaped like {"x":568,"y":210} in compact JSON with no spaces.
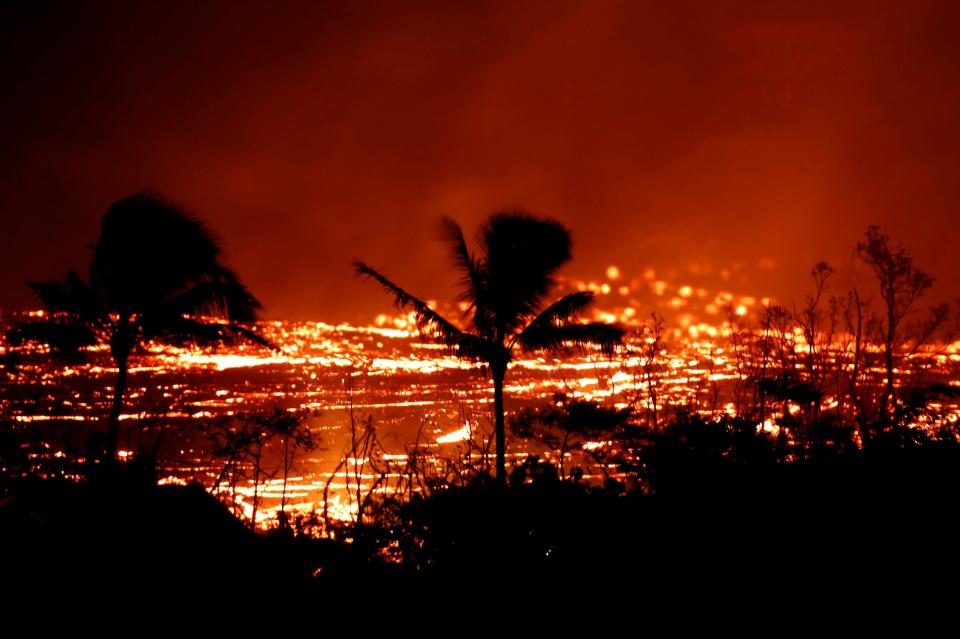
{"x":386,"y":370}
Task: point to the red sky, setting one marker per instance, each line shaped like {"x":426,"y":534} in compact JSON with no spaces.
{"x":665,"y":134}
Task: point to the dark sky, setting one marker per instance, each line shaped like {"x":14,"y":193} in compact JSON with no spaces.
{"x":677,"y":135}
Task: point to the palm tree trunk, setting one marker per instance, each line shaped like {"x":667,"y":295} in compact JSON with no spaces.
{"x":113,"y":423}
{"x":121,"y":343}
{"x":498,"y":375}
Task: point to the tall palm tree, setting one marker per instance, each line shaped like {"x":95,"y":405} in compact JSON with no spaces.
{"x":156,"y":272}
{"x":506,"y":288}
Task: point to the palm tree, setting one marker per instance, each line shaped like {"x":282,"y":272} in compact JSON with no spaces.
{"x":506,"y":288}
{"x":155,"y":273}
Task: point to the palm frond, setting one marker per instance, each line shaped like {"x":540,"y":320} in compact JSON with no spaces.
{"x":180,"y":330}
{"x":70,"y":295}
{"x":571,"y":338}
{"x":250,"y":335}
{"x":471,"y":269}
{"x":562,"y":312}
{"x":523,"y":254}
{"x":147,"y":249}
{"x":473,"y":347}
{"x":223,"y":297}
{"x":429,"y":321}
{"x":63,"y":338}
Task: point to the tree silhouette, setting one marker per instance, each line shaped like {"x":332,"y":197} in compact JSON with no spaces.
{"x":569,"y":424}
{"x":155,"y":273}
{"x":901,"y":284}
{"x":506,"y":288}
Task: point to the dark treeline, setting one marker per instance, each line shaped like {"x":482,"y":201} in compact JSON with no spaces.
{"x":839,"y":456}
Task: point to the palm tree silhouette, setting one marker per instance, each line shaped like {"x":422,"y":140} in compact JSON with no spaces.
{"x":155,"y":272}
{"x":506,"y":287}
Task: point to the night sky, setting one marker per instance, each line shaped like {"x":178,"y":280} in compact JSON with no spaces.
{"x":682,"y":136}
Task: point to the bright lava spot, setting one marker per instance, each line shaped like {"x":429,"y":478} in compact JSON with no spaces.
{"x":459,"y":435}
